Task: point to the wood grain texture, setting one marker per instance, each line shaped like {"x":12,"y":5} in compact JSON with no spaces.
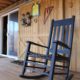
{"x":6,"y":3}
{"x":12,"y":71}
{"x":72,"y":8}
{"x":39,"y":32}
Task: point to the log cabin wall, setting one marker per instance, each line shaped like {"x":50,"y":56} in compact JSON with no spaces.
{"x":38,"y":32}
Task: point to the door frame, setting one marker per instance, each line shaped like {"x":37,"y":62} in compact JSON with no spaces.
{"x":1,"y":18}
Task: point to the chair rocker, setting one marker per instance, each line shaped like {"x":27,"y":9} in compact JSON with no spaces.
{"x":58,"y":52}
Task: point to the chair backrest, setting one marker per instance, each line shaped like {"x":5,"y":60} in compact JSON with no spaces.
{"x":62,"y":30}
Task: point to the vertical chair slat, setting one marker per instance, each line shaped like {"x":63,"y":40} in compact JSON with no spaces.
{"x":71,"y":36}
{"x":54,"y":34}
{"x":67,"y":34}
{"x":62,"y":35}
{"x":53,"y":37}
{"x":58,"y":35}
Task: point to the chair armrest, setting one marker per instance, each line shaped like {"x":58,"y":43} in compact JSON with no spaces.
{"x":62,"y":44}
{"x":30,"y":42}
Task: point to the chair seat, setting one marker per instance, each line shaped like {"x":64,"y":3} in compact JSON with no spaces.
{"x":59,"y":57}
{"x":61,"y":51}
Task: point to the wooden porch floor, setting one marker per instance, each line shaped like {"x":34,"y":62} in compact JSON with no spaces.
{"x":10,"y":71}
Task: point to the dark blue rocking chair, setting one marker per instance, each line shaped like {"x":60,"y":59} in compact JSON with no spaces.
{"x":58,"y":50}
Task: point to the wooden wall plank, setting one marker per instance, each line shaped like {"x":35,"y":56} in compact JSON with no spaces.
{"x":38,"y":32}
{"x":72,"y":8}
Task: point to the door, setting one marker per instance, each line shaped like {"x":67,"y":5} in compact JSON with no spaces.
{"x":4,"y":35}
{"x":13,"y":34}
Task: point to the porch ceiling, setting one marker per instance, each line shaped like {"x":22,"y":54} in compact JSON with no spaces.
{"x":6,"y":3}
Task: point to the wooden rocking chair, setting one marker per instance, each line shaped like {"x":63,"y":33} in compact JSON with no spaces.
{"x":58,"y":50}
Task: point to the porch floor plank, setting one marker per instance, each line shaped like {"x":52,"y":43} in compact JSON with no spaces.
{"x":10,"y":71}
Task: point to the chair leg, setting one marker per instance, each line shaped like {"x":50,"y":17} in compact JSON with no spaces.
{"x":67,"y":76}
{"x":26,"y":58}
{"x":45,"y":64}
{"x":53,"y":60}
{"x":46,"y":61}
{"x":24,"y":68}
{"x":70,"y":77}
{"x":25,"y":64}
{"x":67,"y":73}
{"x":51,"y":74}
